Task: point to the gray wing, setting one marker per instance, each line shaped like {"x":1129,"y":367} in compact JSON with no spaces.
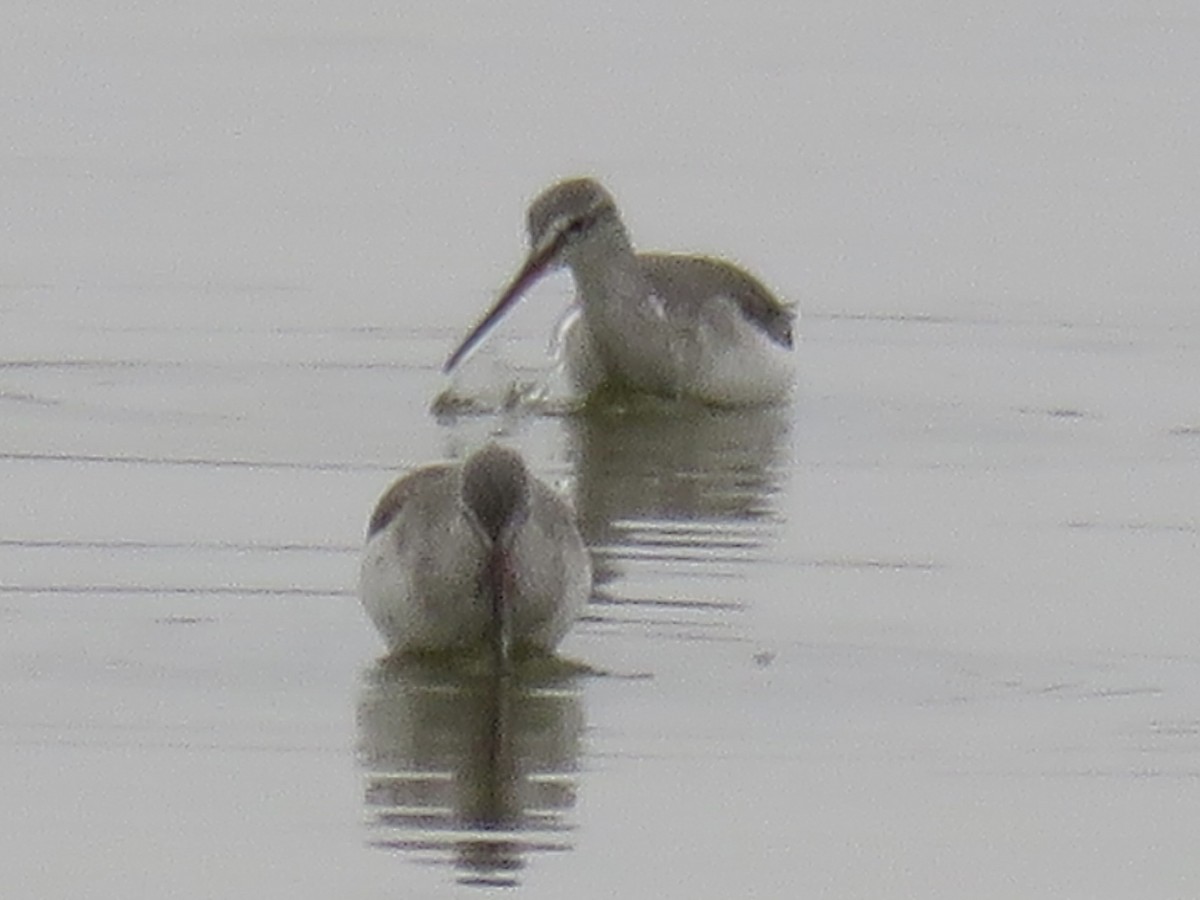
{"x":702,"y":277}
{"x":421,"y":485}
{"x":555,"y":512}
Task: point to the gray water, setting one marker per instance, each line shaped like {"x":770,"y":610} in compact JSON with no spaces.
{"x":928,"y":629}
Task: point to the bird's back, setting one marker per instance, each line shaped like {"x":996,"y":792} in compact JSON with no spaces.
{"x":420,"y":580}
{"x":681,"y":278}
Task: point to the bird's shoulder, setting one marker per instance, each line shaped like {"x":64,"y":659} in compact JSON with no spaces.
{"x":552,"y":506}
{"x":421,"y":485}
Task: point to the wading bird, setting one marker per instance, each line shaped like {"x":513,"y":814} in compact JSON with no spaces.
{"x":667,"y":324}
{"x":461,"y":555}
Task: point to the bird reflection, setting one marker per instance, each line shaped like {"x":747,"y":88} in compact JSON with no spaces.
{"x":693,"y":476}
{"x":467,"y":769}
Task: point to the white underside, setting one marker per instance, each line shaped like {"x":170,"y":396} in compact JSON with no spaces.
{"x":720,"y":358}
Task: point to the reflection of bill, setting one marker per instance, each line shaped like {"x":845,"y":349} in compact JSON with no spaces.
{"x":653,"y":467}
{"x":468,"y":770}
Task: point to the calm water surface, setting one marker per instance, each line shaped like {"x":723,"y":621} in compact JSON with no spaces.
{"x":842,"y":642}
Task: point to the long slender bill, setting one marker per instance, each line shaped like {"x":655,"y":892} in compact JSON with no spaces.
{"x":537,"y":263}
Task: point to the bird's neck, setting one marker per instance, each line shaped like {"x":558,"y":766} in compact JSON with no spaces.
{"x":605,"y":267}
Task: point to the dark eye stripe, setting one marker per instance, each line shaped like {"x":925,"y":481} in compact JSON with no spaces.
{"x":580,"y":224}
